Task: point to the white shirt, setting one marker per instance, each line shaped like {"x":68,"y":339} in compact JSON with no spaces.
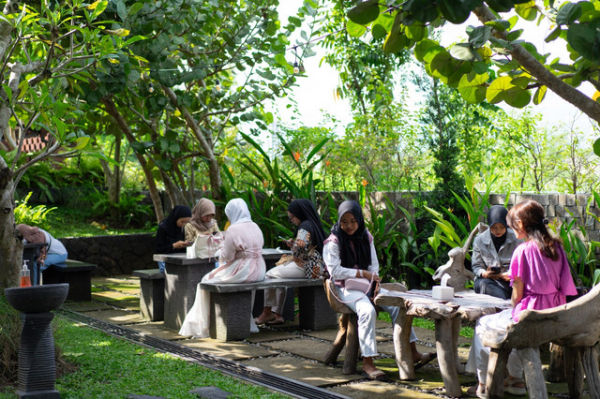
{"x":56,"y":247}
{"x":331,"y":256}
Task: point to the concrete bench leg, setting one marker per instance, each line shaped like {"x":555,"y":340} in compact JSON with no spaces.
{"x":152,"y":299}
{"x":315,"y":312}
{"x":230,"y":315}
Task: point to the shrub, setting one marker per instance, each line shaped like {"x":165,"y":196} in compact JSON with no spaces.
{"x":10,"y":328}
{"x":25,"y":213}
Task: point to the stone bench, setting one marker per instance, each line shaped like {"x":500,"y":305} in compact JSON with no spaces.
{"x":76,"y":273}
{"x":231,"y":306}
{"x":152,"y":293}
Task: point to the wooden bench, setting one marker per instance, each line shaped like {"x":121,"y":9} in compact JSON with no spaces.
{"x":575,"y":326}
{"x":152,"y":293}
{"x":231,"y":306}
{"x":76,"y":273}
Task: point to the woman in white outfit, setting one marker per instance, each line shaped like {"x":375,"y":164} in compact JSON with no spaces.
{"x":349,"y":253}
{"x":240,"y":261}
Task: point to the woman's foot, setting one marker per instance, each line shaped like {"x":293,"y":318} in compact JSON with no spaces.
{"x":265,"y":317}
{"x":477,"y":391}
{"x":372,"y":372}
{"x":515,"y":386}
{"x":277,"y":319}
{"x":421,"y":359}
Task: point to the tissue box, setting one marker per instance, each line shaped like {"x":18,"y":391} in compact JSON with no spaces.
{"x":442,"y":293}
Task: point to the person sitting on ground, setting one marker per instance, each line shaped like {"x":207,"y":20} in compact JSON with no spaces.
{"x":53,"y":253}
{"x":349,"y":253}
{"x":203,"y":220}
{"x":240,"y":262}
{"x":170,"y":237}
{"x":492,"y":251}
{"x":541,"y":279}
{"x":306,"y":260}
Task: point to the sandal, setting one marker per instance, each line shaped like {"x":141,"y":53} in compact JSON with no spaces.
{"x":515,"y":386}
{"x":375,"y":375}
{"x":425,"y":358}
{"x":477,"y":391}
{"x":275,"y":321}
{"x":265,"y":320}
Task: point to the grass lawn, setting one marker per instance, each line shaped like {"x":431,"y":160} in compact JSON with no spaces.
{"x":109,"y":367}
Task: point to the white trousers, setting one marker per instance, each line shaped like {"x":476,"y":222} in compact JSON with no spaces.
{"x":367,"y":317}
{"x":479,"y":354}
{"x":275,"y":297}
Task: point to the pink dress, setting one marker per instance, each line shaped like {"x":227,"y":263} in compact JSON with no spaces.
{"x":546,"y":282}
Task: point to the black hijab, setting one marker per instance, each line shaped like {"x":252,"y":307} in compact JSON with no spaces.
{"x":497,"y":214}
{"x":355,"y":249}
{"x":304,"y":210}
{"x":170,"y":223}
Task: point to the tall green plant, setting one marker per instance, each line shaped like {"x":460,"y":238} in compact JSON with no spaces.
{"x":32,"y":215}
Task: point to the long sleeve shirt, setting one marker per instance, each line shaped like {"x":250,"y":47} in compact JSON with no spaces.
{"x":337,"y":271}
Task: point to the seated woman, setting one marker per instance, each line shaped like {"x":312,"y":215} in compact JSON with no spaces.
{"x":541,"y":278}
{"x":306,"y":260}
{"x":202,"y":221}
{"x":240,"y":262}
{"x":492,"y":251}
{"x":53,"y":253}
{"x":349,"y":253}
{"x":169,"y":236}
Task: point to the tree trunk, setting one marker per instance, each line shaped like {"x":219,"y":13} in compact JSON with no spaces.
{"x":11,"y":248}
{"x":111,"y":109}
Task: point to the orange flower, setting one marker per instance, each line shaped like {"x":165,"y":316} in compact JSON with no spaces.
{"x":297,"y":156}
{"x":327,"y":163}
{"x":364,"y":182}
{"x":265,"y":183}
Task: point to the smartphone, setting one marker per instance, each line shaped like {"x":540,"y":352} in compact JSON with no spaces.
{"x":496,"y":269}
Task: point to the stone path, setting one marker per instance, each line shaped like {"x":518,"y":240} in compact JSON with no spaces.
{"x":284,"y":350}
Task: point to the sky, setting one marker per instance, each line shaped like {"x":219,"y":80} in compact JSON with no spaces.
{"x":314,"y":94}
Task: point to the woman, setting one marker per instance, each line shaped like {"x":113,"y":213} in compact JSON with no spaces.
{"x":306,"y":260}
{"x":170,"y":236}
{"x":541,"y":278}
{"x":492,"y":251}
{"x":349,"y":253}
{"x":241,"y":262}
{"x":202,"y":221}
{"x":53,"y":253}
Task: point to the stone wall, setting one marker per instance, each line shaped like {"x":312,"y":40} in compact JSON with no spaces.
{"x":113,"y":254}
{"x":123,"y":254}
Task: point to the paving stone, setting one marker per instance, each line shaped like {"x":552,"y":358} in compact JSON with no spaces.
{"x":304,"y":347}
{"x":86,"y":306}
{"x":229,"y":350}
{"x":272,"y":335}
{"x":307,"y":371}
{"x":118,"y":299}
{"x":328,"y":334}
{"x":379,"y":390}
{"x":157,"y":330}
{"x":211,"y":393}
{"x":116,"y":316}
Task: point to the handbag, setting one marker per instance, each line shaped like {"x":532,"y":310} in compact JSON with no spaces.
{"x":358,"y":284}
{"x":208,"y":246}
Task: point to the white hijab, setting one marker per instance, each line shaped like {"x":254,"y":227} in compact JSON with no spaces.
{"x":237,"y":211}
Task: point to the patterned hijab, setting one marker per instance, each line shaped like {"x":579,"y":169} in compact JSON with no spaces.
{"x":237,"y":211}
{"x":355,"y":249}
{"x":304,"y":210}
{"x":202,"y":208}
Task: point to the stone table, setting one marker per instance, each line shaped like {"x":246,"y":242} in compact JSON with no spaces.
{"x":182,"y":276}
{"x":466,"y":305}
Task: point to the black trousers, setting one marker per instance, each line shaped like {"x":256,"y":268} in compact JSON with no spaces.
{"x":497,"y":288}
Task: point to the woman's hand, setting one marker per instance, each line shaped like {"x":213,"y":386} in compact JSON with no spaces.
{"x":367,"y":274}
{"x":181,"y":244}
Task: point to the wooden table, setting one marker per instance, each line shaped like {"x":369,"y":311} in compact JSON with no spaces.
{"x":182,"y":276}
{"x":466,"y":305}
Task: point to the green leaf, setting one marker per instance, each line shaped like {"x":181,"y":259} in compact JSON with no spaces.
{"x":472,"y":87}
{"x":568,"y":13}
{"x":500,"y":5}
{"x":539,"y":95}
{"x":427,"y":46}
{"x":517,"y":98}
{"x":497,"y":89}
{"x":364,"y":12}
{"x":395,"y":41}
{"x":597,"y":147}
{"x":583,"y":39}
{"x":463,"y":51}
{"x":354,"y":29}
{"x":457,"y":12}
{"x":416,"y":31}
{"x":378,"y":31}
{"x":553,"y":35}
{"x":479,"y":36}
{"x":527,"y":11}
{"x":81,"y":142}
{"x":421,"y":10}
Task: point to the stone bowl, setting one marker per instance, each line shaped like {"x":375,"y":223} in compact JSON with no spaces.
{"x":37,"y":299}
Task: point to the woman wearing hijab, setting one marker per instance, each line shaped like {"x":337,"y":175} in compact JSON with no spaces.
{"x":306,"y":260}
{"x":349,"y":253}
{"x":492,"y":251}
{"x":53,"y":253}
{"x":240,"y":262}
{"x":170,"y":237}
{"x":203,"y":220}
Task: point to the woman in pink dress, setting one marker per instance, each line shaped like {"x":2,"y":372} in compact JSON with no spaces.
{"x":240,"y":261}
{"x":541,"y":278}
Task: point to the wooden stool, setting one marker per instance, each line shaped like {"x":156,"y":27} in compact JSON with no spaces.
{"x":347,"y":333}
